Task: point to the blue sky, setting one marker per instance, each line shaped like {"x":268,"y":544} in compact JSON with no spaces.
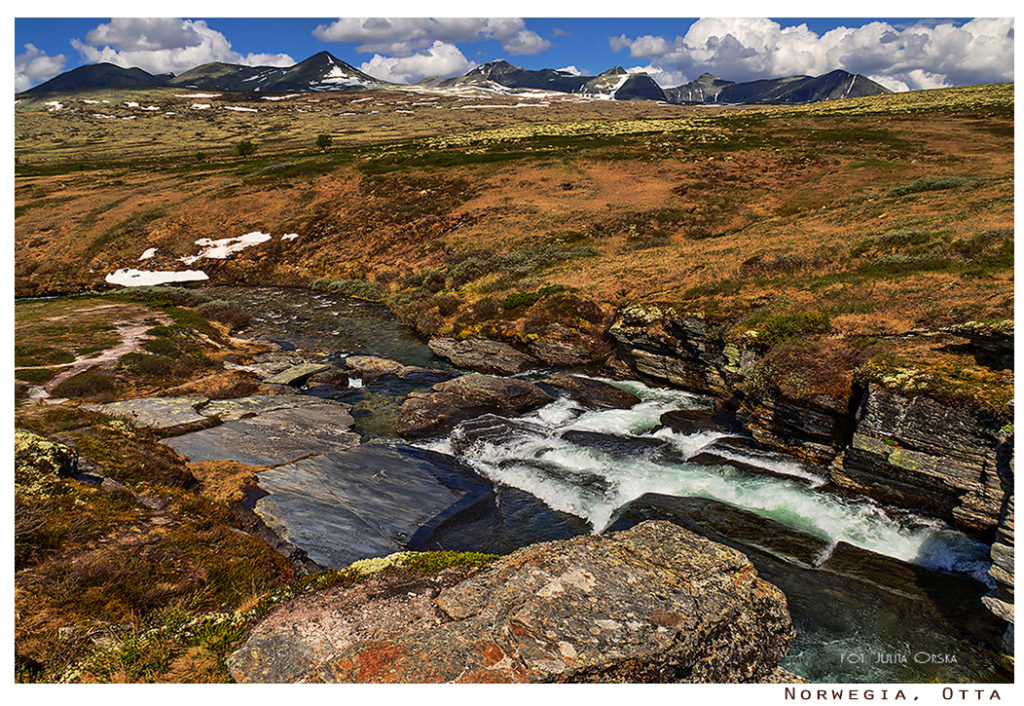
{"x":900,"y":53}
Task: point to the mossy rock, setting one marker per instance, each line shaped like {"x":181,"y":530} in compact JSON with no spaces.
{"x":39,"y":462}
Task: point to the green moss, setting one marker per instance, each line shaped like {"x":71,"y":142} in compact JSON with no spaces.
{"x":929,"y":184}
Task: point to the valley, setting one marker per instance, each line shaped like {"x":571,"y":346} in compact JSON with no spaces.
{"x":786,"y":329}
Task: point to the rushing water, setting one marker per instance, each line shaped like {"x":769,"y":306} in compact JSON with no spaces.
{"x":880,"y":622}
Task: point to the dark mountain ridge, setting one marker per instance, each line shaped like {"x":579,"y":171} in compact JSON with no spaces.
{"x":325,"y":72}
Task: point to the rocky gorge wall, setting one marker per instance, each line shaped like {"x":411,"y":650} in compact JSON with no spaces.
{"x":932,"y":456}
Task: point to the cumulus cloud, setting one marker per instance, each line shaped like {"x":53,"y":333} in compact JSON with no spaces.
{"x":165,"y":45}
{"x":571,"y":70}
{"x":35,"y":66}
{"x":904,"y":57}
{"x":440,"y":59}
{"x":404,"y":37}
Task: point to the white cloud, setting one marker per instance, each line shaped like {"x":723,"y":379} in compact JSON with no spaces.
{"x":35,"y":66}
{"x":403,"y":37}
{"x":571,"y":70}
{"x":440,"y":59}
{"x":921,"y":55}
{"x":162,"y":45}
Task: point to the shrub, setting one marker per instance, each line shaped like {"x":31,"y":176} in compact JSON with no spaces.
{"x":323,"y":141}
{"x":160,"y":296}
{"x":447,"y":303}
{"x":145,"y":364}
{"x":34,"y":375}
{"x":225,"y":312}
{"x":358,"y":288}
{"x":245,"y":148}
{"x":518,"y":299}
{"x":162,"y":346}
{"x":928,"y":184}
{"x":91,"y":384}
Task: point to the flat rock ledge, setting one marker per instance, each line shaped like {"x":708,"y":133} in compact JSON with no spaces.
{"x":483,"y":355}
{"x":655,"y":603}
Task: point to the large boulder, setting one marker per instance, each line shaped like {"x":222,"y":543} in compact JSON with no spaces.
{"x":655,"y":603}
{"x":593,"y":393}
{"x":484,"y":355}
{"x":452,"y":401}
{"x":371,"y":368}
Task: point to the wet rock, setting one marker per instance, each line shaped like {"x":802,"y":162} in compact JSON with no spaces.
{"x":491,"y":428}
{"x":162,"y":413}
{"x":620,"y":446}
{"x":694,"y":421}
{"x":367,"y":501}
{"x":665,"y":345}
{"x":332,"y":376}
{"x":655,"y":603}
{"x":919,"y":453}
{"x":450,"y":402}
{"x":762,"y":465}
{"x":371,"y":368}
{"x":816,"y":429}
{"x":510,"y":519}
{"x":272,"y":437}
{"x":593,"y":393}
{"x":483,"y":355}
{"x":296,"y":375}
{"x":1001,"y":601}
{"x":726,"y":524}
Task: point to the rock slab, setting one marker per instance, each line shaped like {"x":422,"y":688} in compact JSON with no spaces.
{"x":655,"y":603}
{"x":276,"y":436}
{"x":368,"y":501}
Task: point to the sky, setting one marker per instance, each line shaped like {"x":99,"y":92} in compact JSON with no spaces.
{"x":901,"y":54}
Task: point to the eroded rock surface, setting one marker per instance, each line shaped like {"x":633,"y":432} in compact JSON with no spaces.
{"x":367,"y":501}
{"x":655,"y":603}
{"x":452,"y":401}
{"x":483,"y":355}
{"x":297,"y":374}
{"x":280,"y":434}
{"x":156,"y":412}
{"x":917,"y":452}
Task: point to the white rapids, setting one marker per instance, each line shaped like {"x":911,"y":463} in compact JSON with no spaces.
{"x":585,"y":481}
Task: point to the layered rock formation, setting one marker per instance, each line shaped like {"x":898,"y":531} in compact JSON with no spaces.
{"x":917,"y":452}
{"x":655,"y":603}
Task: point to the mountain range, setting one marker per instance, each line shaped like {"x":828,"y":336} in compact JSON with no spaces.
{"x":325,"y":72}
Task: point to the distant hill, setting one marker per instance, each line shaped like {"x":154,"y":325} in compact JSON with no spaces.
{"x":326,"y":72}
{"x":99,"y":76}
{"x":790,"y":89}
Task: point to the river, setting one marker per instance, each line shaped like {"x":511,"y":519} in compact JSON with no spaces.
{"x":888,"y":597}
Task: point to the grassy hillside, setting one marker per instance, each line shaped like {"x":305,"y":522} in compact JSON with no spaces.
{"x":873,"y":216}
